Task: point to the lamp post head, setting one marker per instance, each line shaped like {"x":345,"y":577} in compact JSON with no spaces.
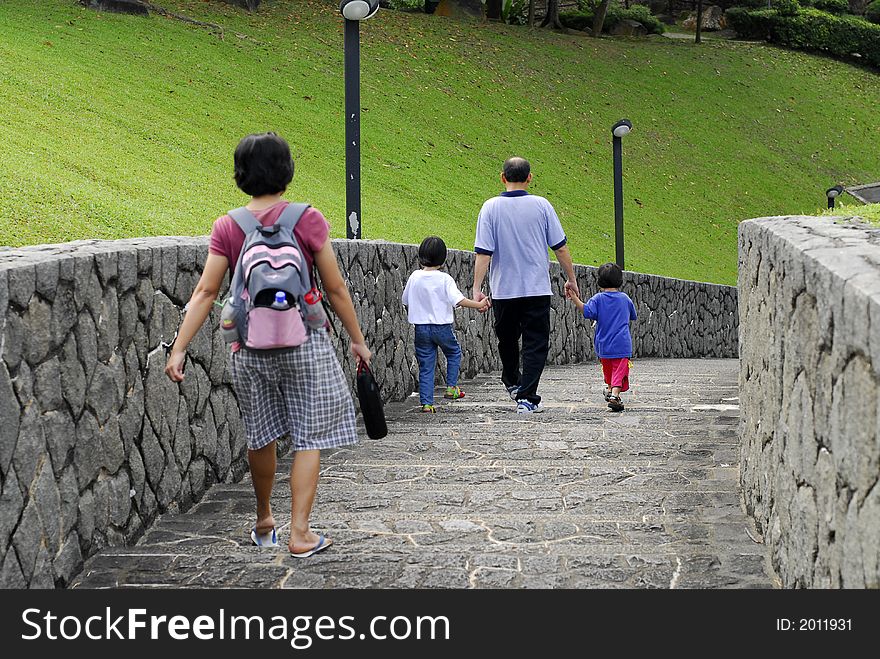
{"x":358,"y":10}
{"x":621,"y":128}
{"x":834,"y":192}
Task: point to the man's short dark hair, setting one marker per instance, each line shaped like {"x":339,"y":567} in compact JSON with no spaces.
{"x":516,"y":169}
{"x":610,"y":276}
{"x":432,"y":252}
{"x":263,"y":164}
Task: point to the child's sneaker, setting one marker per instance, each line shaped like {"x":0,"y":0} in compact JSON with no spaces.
{"x":615,"y":404}
{"x":607,"y":395}
{"x":453,"y":393}
{"x":528,"y":407}
{"x":428,"y":408}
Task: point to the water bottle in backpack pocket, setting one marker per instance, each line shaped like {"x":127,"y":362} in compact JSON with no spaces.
{"x":271,"y":279}
{"x":316,"y":317}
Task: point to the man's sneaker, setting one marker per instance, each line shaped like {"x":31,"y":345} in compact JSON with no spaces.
{"x":614,"y":404}
{"x":528,"y":407}
{"x":453,"y":393}
{"x":512,"y":391}
{"x":428,"y":408}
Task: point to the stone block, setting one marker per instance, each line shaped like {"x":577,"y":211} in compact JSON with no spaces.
{"x":37,"y":322}
{"x":11,"y":576}
{"x":120,"y":499}
{"x":69,"y":560}
{"x":86,"y":519}
{"x":68,"y":492}
{"x":87,"y":343}
{"x":73,"y":376}
{"x":153,"y":456}
{"x":63,"y":314}
{"x":11,"y":506}
{"x":47,"y":385}
{"x":9,"y":420}
{"x":27,"y":539}
{"x":104,"y":396}
{"x":60,"y":433}
{"x":29,"y":448}
{"x":48,"y":501}
{"x":128,"y":319}
{"x":46,"y":278}
{"x":88,"y":452}
{"x":21,"y":285}
{"x":107,"y":324}
{"x":12,"y":344}
{"x":127,"y":266}
{"x":107,"y":266}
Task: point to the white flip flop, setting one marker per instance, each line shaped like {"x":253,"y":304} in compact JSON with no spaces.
{"x":321,"y":546}
{"x":268,"y":539}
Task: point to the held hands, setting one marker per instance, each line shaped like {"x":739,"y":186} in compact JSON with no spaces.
{"x":573,"y":296}
{"x":572,"y":287}
{"x":480,"y":298}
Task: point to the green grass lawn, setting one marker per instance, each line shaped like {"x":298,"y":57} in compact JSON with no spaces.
{"x":869,"y":212}
{"x":116,"y":126}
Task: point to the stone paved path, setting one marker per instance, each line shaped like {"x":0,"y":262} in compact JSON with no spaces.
{"x":477,"y":496}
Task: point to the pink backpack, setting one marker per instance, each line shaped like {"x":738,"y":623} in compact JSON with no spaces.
{"x":266,"y":307}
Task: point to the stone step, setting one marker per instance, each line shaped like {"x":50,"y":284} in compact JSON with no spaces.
{"x":477,"y":496}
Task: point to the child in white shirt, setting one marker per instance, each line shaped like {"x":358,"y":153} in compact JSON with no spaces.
{"x":430,"y":297}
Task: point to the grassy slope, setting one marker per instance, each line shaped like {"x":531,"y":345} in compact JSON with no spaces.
{"x":118,"y":126}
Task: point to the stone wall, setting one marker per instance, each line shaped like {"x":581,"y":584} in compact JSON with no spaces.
{"x":95,"y":441}
{"x":809,"y":381}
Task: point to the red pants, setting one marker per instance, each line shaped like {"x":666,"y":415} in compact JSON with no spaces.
{"x":616,"y":372}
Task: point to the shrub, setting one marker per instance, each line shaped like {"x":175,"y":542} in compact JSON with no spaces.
{"x":577,"y":20}
{"x":640,"y":13}
{"x":787,"y":7}
{"x":872,"y":13}
{"x":840,"y":36}
{"x":583,"y":20}
{"x":754,"y":4}
{"x":832,"y":6}
{"x":749,"y":24}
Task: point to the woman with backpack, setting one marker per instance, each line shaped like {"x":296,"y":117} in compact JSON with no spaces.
{"x":285,"y":372}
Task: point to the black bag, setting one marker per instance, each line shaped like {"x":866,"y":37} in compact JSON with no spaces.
{"x":371,"y":403}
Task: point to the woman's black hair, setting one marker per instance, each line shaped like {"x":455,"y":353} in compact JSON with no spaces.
{"x":432,"y":252}
{"x":610,"y":276}
{"x":263,"y":164}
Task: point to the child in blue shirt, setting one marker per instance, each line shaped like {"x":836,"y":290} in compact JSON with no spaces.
{"x":612,"y":310}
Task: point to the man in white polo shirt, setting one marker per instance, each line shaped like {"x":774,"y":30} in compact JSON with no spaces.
{"x":514,"y":231}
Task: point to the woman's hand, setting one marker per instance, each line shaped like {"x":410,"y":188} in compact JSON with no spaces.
{"x":174,"y":366}
{"x":361,"y":353}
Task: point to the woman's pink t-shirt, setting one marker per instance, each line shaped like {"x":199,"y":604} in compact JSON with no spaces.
{"x":311,"y":231}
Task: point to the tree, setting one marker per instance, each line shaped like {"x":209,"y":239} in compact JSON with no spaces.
{"x":531,"y":13}
{"x":552,"y":17}
{"x":698,"y":38}
{"x":599,"y":17}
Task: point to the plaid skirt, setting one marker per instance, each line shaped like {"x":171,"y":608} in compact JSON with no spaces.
{"x":300,"y":392}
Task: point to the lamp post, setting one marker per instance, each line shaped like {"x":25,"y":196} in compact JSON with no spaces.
{"x":353,"y":11}
{"x":832,"y":194}
{"x":618,"y":130}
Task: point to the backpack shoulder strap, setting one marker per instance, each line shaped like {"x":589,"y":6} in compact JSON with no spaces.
{"x":245,"y":220}
{"x":290,"y":215}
